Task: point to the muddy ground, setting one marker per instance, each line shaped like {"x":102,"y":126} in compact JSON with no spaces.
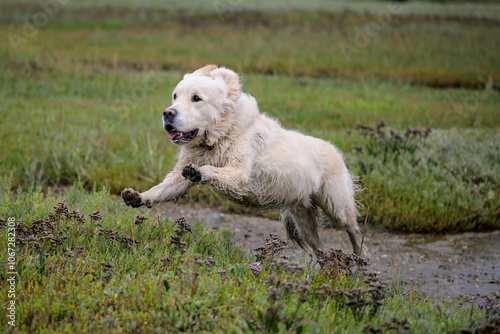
{"x":460,"y":265}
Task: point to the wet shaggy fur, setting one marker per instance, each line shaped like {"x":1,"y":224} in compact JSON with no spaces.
{"x":250,"y":158}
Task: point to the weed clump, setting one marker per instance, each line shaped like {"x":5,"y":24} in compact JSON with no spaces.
{"x":115,"y":236}
{"x":138,"y":220}
{"x":389,"y":144}
{"x":398,"y":326}
{"x":182,"y":229}
{"x":491,"y":306}
{"x":272,"y":256}
{"x":423,"y":180}
{"x":255,"y":267}
{"x":360,"y":299}
{"x":274,"y":247}
{"x":208,"y":262}
{"x":335,"y":261}
{"x":48,"y":235}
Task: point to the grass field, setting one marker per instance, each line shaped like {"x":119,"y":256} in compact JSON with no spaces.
{"x":82,"y":96}
{"x":88,"y":265}
{"x":83,"y":87}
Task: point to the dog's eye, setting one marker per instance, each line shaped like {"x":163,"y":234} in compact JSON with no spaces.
{"x":175,"y":96}
{"x":196,"y":98}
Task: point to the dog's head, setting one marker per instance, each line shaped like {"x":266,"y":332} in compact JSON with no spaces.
{"x":200,"y":103}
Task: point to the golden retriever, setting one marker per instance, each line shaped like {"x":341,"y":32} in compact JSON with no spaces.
{"x":227,"y":144}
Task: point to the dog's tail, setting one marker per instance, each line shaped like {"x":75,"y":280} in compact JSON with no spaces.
{"x":358,"y":188}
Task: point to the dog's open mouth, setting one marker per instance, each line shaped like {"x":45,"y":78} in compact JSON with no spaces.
{"x":179,"y":137}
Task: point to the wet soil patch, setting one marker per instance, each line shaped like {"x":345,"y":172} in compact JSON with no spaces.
{"x":465,"y":265}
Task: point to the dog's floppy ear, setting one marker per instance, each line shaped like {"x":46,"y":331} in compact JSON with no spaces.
{"x":205,"y":70}
{"x":232,"y":81}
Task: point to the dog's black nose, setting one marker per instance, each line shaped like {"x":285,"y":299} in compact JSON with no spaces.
{"x":169,"y":113}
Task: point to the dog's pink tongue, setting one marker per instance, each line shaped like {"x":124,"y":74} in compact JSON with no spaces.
{"x":172,"y":135}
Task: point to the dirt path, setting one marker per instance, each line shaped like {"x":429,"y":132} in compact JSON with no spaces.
{"x":454,"y":266}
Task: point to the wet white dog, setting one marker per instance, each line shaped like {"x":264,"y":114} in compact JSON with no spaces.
{"x":227,"y":144}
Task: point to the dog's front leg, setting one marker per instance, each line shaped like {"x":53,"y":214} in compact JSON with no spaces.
{"x":174,"y":186}
{"x":231,"y":179}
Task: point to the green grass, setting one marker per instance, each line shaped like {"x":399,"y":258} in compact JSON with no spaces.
{"x":86,"y":281}
{"x":447,"y":182}
{"x":82,"y":99}
{"x":107,"y":132}
{"x":483,"y":8}
{"x":437,"y":51}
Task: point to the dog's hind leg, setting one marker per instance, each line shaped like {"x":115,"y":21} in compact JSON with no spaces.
{"x":336,"y":198}
{"x":302,"y":227}
{"x":291,"y":228}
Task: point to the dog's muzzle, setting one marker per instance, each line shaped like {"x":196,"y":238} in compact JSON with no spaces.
{"x":176,"y":136}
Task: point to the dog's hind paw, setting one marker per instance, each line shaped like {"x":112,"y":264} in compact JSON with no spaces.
{"x":191,"y":172}
{"x":132,"y":198}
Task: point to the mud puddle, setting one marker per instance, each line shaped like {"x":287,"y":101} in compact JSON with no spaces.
{"x":455,"y":266}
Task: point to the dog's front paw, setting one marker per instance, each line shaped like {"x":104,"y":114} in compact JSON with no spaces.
{"x":132,"y":198}
{"x":191,"y":172}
